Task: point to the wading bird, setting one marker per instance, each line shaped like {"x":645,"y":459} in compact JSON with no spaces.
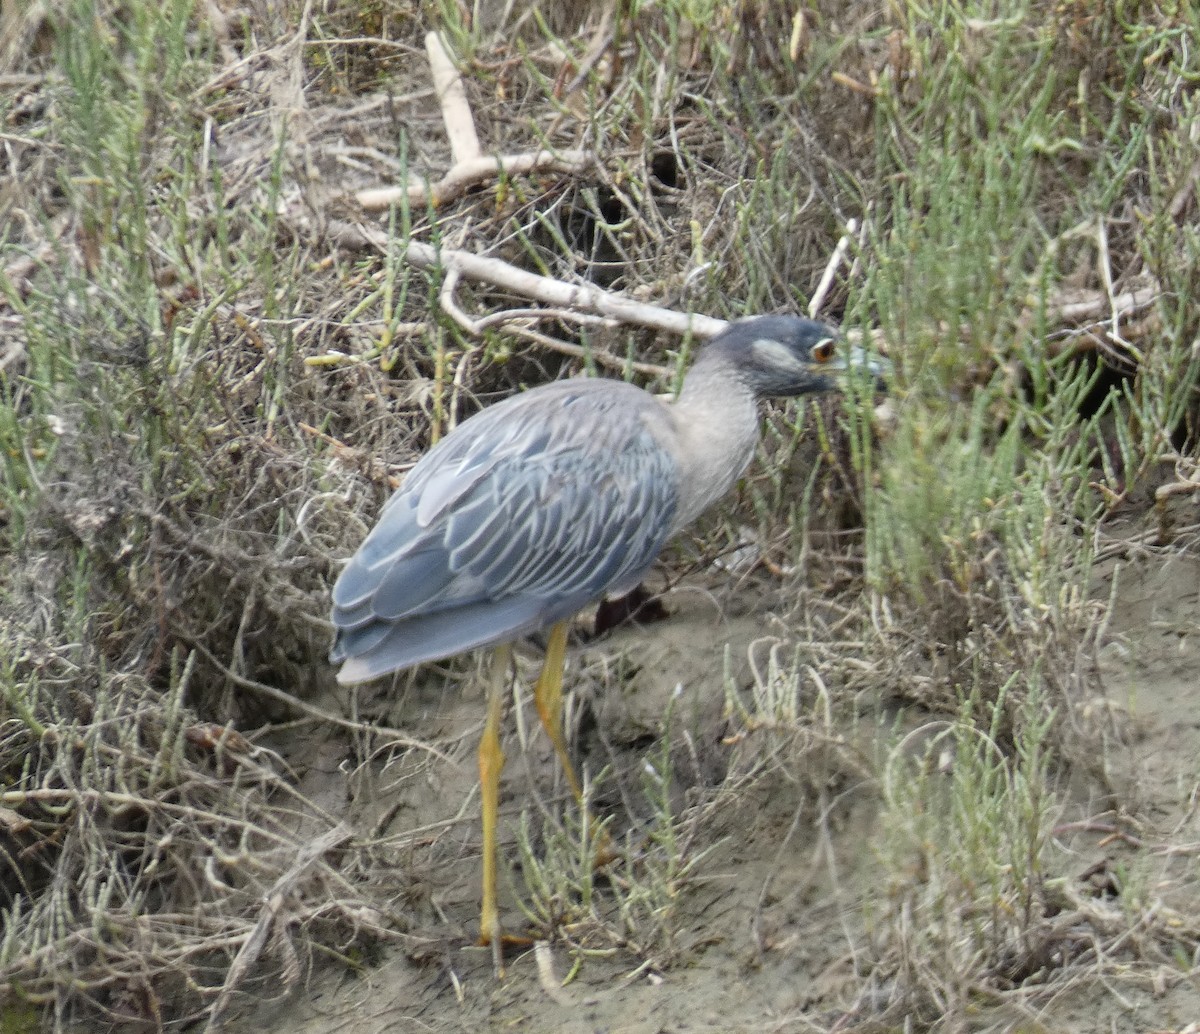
{"x":550,"y":501}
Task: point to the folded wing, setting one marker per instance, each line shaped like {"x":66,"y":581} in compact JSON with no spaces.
{"x":522,"y":517}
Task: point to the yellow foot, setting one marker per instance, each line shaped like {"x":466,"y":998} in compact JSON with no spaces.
{"x":498,"y":941}
{"x":512,"y":940}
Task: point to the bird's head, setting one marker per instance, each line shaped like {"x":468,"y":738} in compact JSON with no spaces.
{"x":785,"y":356}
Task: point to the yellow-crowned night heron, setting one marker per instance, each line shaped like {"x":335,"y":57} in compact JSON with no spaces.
{"x":549,"y":501}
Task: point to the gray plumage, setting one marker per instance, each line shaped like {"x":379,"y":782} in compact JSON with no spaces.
{"x":557,"y":497}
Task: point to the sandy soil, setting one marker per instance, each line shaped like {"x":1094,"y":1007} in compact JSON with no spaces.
{"x":769,"y":929}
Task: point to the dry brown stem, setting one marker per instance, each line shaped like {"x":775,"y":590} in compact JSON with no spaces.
{"x":600,"y":356}
{"x":399,"y":737}
{"x":273,"y":908}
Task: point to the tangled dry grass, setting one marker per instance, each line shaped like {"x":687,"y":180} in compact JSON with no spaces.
{"x":235,"y":309}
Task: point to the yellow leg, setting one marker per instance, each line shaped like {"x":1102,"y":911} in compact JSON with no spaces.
{"x":547,"y":695}
{"x":491,"y":763}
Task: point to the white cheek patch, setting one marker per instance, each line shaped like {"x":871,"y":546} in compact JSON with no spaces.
{"x":775,"y":354}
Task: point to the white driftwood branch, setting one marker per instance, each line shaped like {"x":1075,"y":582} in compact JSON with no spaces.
{"x":831,"y":268}
{"x":1100,"y":303}
{"x":581,"y":297}
{"x":456,"y":111}
{"x":600,"y":356}
{"x":465,"y":175}
{"x":563,"y":295}
{"x":470,"y":166}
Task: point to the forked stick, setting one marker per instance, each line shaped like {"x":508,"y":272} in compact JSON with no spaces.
{"x":470,"y":165}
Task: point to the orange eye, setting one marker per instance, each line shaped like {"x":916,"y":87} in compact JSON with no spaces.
{"x":824,"y":350}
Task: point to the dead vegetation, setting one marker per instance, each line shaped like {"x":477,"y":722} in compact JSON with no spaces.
{"x":256,"y":259}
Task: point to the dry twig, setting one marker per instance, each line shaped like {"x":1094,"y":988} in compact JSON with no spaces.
{"x":583,"y":297}
{"x":465,"y":175}
{"x":470,"y":166}
{"x":456,"y":112}
{"x":831,"y":268}
{"x":268,"y":921}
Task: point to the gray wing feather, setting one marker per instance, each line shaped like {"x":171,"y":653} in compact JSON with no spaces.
{"x":390,"y":647}
{"x":520,"y":518}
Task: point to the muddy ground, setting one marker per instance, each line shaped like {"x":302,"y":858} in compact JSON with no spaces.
{"x":768,"y":929}
{"x":221,"y":360}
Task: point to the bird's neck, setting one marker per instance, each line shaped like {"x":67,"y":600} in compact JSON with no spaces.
{"x":716,"y":417}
